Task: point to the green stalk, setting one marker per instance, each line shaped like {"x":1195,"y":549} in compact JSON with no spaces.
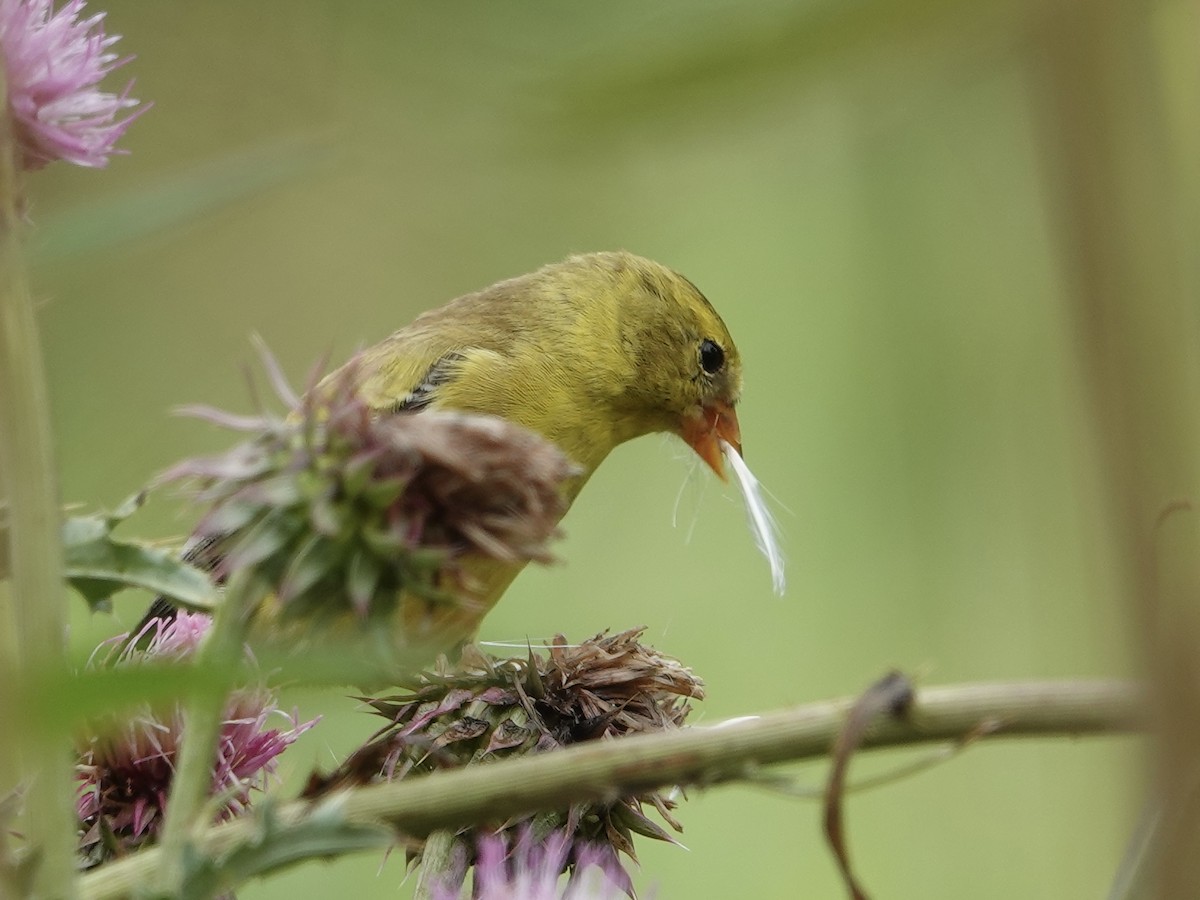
{"x":437,"y":860}
{"x":1120,"y":170}
{"x":190,"y":789}
{"x":601,"y":770}
{"x":30,"y":483}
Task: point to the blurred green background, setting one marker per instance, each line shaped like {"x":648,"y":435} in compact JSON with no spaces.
{"x":858,"y":188}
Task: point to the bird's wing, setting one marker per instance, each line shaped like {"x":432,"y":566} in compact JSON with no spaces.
{"x":419,"y":365}
{"x":399,"y":383}
{"x":443,"y":371}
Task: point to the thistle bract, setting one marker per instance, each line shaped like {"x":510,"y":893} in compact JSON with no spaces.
{"x":344,"y":510}
{"x":488,"y":709}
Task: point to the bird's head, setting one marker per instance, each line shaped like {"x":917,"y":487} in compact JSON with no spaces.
{"x":686,"y":373}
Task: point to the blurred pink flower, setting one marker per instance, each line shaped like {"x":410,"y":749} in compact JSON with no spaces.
{"x":53,"y":63}
{"x":126,"y":766}
{"x":531,"y":870}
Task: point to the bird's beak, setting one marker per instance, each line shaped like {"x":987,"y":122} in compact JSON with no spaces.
{"x":704,"y":431}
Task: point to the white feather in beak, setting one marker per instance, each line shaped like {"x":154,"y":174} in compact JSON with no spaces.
{"x":762,"y":523}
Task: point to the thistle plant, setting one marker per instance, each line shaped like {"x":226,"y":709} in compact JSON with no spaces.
{"x":488,"y":709}
{"x":53,"y":109}
{"x":53,"y":64}
{"x":336,"y":520}
{"x":343,"y":514}
{"x":127,"y":760}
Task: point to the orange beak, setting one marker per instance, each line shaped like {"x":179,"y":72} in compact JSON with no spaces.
{"x":704,"y":431}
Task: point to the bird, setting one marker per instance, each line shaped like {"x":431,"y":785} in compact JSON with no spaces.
{"x":589,"y":352}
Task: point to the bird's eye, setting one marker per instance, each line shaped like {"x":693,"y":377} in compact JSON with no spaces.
{"x":712,"y":357}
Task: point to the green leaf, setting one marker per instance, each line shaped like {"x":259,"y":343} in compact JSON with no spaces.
{"x":64,"y":699}
{"x":323,"y":834}
{"x":98,"y":565}
{"x":127,"y":508}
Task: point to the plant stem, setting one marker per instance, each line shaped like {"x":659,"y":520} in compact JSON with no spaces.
{"x":691,"y":756}
{"x":1127,"y":215}
{"x":38,"y":597}
{"x":192,"y":784}
{"x":437,"y":860}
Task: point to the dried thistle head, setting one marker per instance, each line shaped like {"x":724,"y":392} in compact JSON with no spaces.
{"x":490,"y":708}
{"x":343,"y":510}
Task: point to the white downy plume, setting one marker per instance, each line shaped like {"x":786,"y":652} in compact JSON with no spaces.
{"x":762,"y":523}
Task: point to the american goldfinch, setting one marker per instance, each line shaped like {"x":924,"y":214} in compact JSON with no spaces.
{"x":589,"y":352}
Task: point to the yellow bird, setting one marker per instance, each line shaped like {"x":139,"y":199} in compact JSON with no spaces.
{"x":589,"y":352}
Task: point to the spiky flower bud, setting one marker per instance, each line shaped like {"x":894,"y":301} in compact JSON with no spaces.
{"x":126,"y":762}
{"x":346,"y":511}
{"x":490,"y":708}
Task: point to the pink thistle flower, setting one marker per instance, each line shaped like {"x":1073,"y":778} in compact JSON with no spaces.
{"x":126,"y":767}
{"x":532,"y":870}
{"x":53,"y":62}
